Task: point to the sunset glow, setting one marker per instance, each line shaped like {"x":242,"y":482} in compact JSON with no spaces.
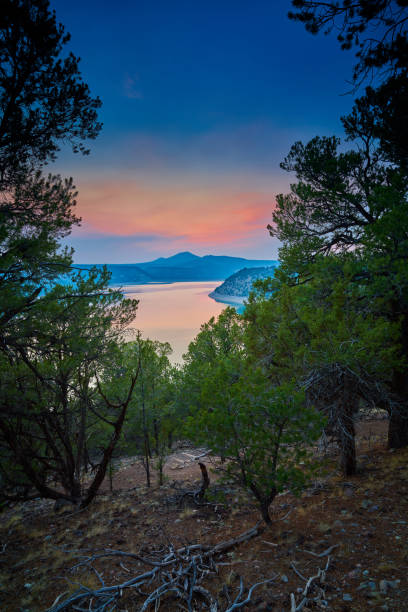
{"x":206,"y":216}
{"x":199,"y":108}
{"x":174,"y":313}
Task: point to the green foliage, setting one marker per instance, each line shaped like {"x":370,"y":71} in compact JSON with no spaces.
{"x":333,"y":335}
{"x":340,"y":201}
{"x":377,"y":29}
{"x":343,"y":228}
{"x":43,"y":99}
{"x":357,"y":201}
{"x":382,"y":112}
{"x":43,"y":102}
{"x":218,"y":339}
{"x":50,"y":406}
{"x":56,"y":340}
{"x":153,"y":394}
{"x":151,"y":419}
{"x":262,"y":431}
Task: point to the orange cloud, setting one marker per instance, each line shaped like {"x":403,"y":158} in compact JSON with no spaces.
{"x":202,"y":214}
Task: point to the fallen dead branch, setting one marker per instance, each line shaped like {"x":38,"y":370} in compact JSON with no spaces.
{"x":274,"y":544}
{"x":239,"y":602}
{"x":295,"y":569}
{"x":324,"y":553}
{"x":174,"y":574}
{"x":207,"y":452}
{"x":315,"y":583}
{"x":286,"y":515}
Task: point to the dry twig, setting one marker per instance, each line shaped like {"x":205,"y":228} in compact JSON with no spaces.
{"x":315,"y":582}
{"x":176,"y":573}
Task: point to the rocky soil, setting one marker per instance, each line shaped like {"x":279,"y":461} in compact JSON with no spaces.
{"x":349,"y":536}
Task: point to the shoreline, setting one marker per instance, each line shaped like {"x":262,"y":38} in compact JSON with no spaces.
{"x":234,"y":300}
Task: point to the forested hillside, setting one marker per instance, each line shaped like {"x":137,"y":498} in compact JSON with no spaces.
{"x":240,"y":284}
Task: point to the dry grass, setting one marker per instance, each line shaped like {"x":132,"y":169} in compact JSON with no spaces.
{"x":368,"y":523}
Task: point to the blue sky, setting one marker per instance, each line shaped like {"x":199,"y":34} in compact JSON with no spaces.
{"x":201,"y":101}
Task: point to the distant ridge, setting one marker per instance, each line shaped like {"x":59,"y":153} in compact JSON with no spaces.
{"x":124,"y":274}
{"x":184,"y":258}
{"x":182,"y":267}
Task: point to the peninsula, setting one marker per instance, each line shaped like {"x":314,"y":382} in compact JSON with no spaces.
{"x":237,"y":287}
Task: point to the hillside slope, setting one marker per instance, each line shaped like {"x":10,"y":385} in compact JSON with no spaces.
{"x":356,"y":528}
{"x":240,"y":283}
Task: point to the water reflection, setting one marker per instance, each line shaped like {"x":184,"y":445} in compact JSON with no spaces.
{"x":174,"y":312}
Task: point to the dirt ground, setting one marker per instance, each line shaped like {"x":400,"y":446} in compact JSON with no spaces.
{"x":363,"y":521}
{"x":181,"y":464}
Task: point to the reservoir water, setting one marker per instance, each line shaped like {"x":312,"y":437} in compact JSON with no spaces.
{"x":174,"y":312}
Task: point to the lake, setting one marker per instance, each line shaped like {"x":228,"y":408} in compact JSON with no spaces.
{"x":174,"y":312}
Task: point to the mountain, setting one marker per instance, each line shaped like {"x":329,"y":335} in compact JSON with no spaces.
{"x":239,"y":285}
{"x":124,"y":274}
{"x":182,"y":267}
{"x":189,"y":267}
{"x":181,"y":259}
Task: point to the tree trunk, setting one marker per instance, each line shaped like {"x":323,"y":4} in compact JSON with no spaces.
{"x":347,"y":441}
{"x":146,"y":459}
{"x":346,"y":408}
{"x":398,"y":423}
{"x":86,"y":460}
{"x":398,"y":428}
{"x":81,"y":442}
{"x":264,"y":501}
{"x":264,"y":506}
{"x":108,"y":452}
{"x":75,"y":489}
{"x":110,"y":476}
{"x":205,"y":483}
{"x":146,"y":443}
{"x":161,"y":473}
{"x":156,"y":436}
{"x":107,"y":455}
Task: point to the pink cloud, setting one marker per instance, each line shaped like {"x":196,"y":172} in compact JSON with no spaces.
{"x":203,"y":215}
